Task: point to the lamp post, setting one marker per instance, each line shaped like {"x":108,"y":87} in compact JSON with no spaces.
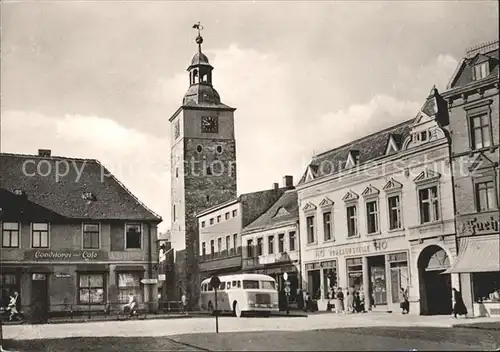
{"x":287,"y":293}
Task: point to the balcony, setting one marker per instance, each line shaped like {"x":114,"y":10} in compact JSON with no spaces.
{"x":270,"y":259}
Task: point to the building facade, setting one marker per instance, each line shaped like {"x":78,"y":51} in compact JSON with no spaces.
{"x":73,"y":237}
{"x":376,"y":215}
{"x":220,"y":229}
{"x":472,"y":97}
{"x":203,"y":168}
{"x":271,"y":244}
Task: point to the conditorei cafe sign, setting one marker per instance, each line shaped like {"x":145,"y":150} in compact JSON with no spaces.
{"x":65,"y":255}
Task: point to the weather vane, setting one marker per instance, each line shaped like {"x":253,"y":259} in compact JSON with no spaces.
{"x":199,"y":38}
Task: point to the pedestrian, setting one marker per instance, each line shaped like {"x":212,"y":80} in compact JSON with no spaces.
{"x":300,"y":300}
{"x":339,"y":302}
{"x":184,"y":304}
{"x":14,"y":306}
{"x":357,"y":303}
{"x":404,"y":304}
{"x":350,"y":300}
{"x":130,"y":306}
{"x":459,"y":307}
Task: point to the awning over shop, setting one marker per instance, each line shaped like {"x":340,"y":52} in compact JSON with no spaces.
{"x":37,"y":269}
{"x":129,"y":268}
{"x":477,"y":254}
{"x":92,"y":268}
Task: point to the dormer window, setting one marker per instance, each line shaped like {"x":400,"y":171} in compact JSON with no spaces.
{"x":480,"y":71}
{"x":18,"y":192}
{"x":88,"y":196}
{"x":423,"y":136}
{"x":352,"y":159}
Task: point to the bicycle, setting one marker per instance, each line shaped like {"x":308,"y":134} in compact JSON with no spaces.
{"x":125,"y":314}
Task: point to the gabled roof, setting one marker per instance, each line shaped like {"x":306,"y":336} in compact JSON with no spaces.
{"x":370,"y":147}
{"x":287,"y":201}
{"x":66,"y":197}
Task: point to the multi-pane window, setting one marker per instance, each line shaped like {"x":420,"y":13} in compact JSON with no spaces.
{"x":310,"y":229}
{"x":485,"y":196}
{"x":10,"y":235}
{"x":203,"y":248}
{"x":327,"y":226}
{"x":133,"y":238}
{"x":219,"y":245}
{"x":429,"y":204}
{"x":90,"y":236}
{"x":129,"y":283}
{"x":228,"y":243}
{"x":352,"y":221}
{"x":394,"y":204}
{"x":270,"y":243}
{"x":260,"y":245}
{"x":372,"y":217}
{"x":480,"y":71}
{"x":249,"y":248}
{"x":480,"y":131}
{"x":281,"y":243}
{"x":212,"y":247}
{"x":40,"y":235}
{"x":292,"y":238}
{"x":91,"y":289}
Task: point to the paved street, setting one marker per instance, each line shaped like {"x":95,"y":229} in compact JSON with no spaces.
{"x":365,"y":331}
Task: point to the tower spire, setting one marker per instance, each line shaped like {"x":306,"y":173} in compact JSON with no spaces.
{"x":199,"y":38}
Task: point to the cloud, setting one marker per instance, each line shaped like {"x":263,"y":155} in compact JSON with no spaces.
{"x":139,"y":160}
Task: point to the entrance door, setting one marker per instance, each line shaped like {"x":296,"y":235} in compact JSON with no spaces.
{"x":314,"y":283}
{"x":39,"y":298}
{"x":435,"y":287}
{"x":378,"y":279}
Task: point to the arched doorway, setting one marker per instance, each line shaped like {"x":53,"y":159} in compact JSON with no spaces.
{"x":435,"y":287}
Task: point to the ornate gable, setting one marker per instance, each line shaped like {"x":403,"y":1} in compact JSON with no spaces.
{"x":281,"y":212}
{"x":350,"y":196}
{"x":482,"y":162}
{"x":326,"y":202}
{"x":426,"y":176}
{"x":370,"y":191}
{"x":392,"y":184}
{"x":309,"y":207}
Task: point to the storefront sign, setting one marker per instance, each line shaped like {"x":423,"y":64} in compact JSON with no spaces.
{"x":63,"y":275}
{"x":38,"y":277}
{"x":335,"y":252}
{"x":479,"y":224}
{"x":64,"y":255}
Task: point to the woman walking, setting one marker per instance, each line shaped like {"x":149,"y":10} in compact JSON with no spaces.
{"x":350,"y":300}
{"x":403,"y":301}
{"x":459,"y":307}
{"x":339,"y":302}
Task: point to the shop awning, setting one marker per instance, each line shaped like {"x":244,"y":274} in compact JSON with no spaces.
{"x":477,"y":254}
{"x":37,"y":269}
{"x":123,"y":268}
{"x":92,"y":268}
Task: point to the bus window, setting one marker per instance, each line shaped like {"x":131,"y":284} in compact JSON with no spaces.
{"x":250,"y":284}
{"x":268,"y":285}
{"x":222,"y":286}
{"x":235,"y":284}
{"x":239,"y":284}
{"x":228,"y":285}
{"x":210,"y":288}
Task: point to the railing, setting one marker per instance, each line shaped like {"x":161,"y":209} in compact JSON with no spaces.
{"x":232,"y":252}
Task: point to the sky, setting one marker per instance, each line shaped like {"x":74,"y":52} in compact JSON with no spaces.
{"x":101,"y":79}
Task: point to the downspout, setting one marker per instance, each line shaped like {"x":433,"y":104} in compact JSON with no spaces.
{"x":300,"y":254}
{"x":150,"y":266}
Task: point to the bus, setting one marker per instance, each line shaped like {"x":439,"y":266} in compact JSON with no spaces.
{"x":240,"y":294}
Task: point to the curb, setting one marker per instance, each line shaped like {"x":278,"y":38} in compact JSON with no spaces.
{"x":476,"y":327}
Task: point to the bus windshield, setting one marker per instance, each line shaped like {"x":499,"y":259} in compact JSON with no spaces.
{"x":250,"y":284}
{"x":268,"y":285}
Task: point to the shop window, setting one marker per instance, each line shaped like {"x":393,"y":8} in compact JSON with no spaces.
{"x":260,"y":245}
{"x":485,"y":196}
{"x":327,"y":226}
{"x":329,"y":278}
{"x":372,"y":217}
{"x":352,"y":221}
{"x":480,"y":131}
{"x":133,"y":238}
{"x":394,"y":204}
{"x":310,"y":229}
{"x":90,"y":236}
{"x":400,"y":277}
{"x":10,"y":235}
{"x":429,"y":204}
{"x":40,"y":235}
{"x":270,"y":242}
{"x":486,"y":287}
{"x":9,"y":283}
{"x":129,"y":283}
{"x":314,"y":281}
{"x":91,"y":289}
{"x":292,"y":238}
{"x":281,"y":243}
{"x":355,"y":273}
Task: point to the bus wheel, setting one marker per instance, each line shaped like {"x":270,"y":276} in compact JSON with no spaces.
{"x":237,"y":311}
{"x":211,"y":308}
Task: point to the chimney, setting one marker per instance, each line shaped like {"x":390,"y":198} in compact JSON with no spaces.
{"x":288,"y":181}
{"x":276,"y":185}
{"x":44,"y":153}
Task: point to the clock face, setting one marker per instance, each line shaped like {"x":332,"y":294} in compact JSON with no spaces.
{"x":177,"y":130}
{"x":209,"y":124}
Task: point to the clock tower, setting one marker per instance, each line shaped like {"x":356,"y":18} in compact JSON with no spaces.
{"x":203,"y":167}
